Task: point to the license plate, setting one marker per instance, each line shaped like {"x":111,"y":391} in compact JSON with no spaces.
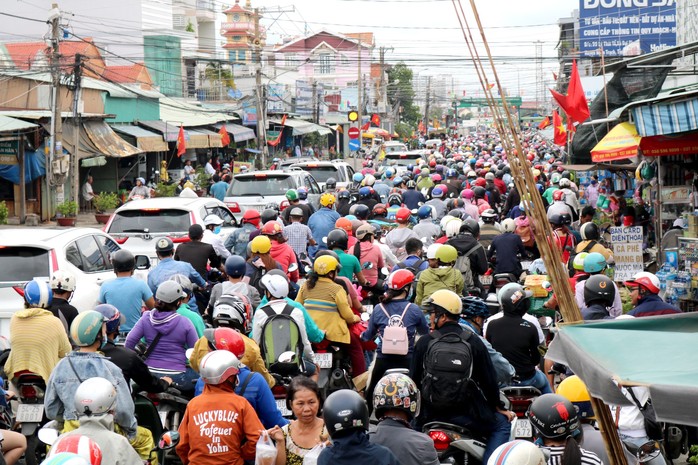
{"x":30,"y":413}
{"x":323,"y":360}
{"x":523,"y":428}
{"x":486,"y":280}
{"x":281,"y":405}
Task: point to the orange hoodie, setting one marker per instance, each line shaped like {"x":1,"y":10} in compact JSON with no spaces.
{"x":215,"y":426}
{"x":284,"y":255}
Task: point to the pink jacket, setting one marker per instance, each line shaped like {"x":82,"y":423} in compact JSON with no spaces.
{"x":284,"y":255}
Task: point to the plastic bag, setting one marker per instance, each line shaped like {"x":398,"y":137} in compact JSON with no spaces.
{"x":266,"y":450}
{"x":312,"y":456}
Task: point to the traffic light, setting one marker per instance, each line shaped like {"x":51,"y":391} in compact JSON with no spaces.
{"x":353,"y":116}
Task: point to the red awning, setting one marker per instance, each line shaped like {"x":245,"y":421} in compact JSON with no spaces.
{"x":677,"y":144}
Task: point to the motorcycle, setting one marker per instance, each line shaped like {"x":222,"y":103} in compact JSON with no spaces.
{"x":335,"y":367}
{"x":30,"y":414}
{"x":521,"y":398}
{"x":170,"y":406}
{"x":498,"y":281}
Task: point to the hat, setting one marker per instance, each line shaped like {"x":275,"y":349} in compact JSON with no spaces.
{"x":296,"y":211}
{"x":364,"y":230}
{"x":195,"y":231}
{"x":680,"y":223}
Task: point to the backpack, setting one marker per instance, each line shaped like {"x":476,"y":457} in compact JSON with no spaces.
{"x":574,"y":253}
{"x":414,"y":268}
{"x":279,"y":334}
{"x":448,"y":365}
{"x":395,"y":339}
{"x":463,"y":265}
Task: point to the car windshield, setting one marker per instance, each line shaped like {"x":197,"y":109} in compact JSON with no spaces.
{"x":323,"y":173}
{"x":395,"y":148}
{"x":19,"y":264}
{"x":263,"y":185}
{"x":155,"y":220}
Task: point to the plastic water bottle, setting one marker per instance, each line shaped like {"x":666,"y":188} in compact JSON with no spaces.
{"x":661,"y":275}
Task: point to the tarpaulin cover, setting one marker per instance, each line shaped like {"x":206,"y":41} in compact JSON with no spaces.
{"x":34,"y":167}
{"x":658,"y":352}
{"x":620,"y":143}
{"x":97,"y":138}
{"x":666,"y":118}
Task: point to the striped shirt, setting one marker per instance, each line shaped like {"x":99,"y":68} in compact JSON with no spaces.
{"x":298,"y":236}
{"x":327,"y":304}
{"x":588,"y":458}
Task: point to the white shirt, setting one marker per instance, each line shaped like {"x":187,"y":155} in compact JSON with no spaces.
{"x":278,"y":306}
{"x":217,"y":242}
{"x":209,"y":169}
{"x":388,"y":256}
{"x":530,"y":318}
{"x":87,"y":192}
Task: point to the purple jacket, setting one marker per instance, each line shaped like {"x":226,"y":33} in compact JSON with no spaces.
{"x":178,"y":334}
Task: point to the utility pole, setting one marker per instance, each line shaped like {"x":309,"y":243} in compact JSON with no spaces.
{"x":56,"y":145}
{"x":75,"y":168}
{"x":261,"y":160}
{"x":360,"y":110}
{"x":315,"y":103}
{"x":426,"y":107}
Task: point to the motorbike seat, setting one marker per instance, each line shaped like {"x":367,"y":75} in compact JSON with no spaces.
{"x":521,"y":391}
{"x":462,"y":430}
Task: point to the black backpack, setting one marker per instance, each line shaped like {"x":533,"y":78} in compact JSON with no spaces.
{"x":414,"y":268}
{"x":573,"y":254}
{"x":448,"y":365}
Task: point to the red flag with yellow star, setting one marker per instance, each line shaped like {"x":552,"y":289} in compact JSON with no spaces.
{"x":559,"y":130}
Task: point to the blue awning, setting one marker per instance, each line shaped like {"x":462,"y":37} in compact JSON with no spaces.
{"x":666,"y":118}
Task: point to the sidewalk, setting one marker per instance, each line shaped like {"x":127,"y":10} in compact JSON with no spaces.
{"x":85,"y":220}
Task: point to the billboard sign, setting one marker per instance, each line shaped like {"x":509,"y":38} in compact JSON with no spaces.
{"x":626,"y":27}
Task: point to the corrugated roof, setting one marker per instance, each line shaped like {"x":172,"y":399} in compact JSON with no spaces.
{"x":189,"y":115}
{"x":8,"y":124}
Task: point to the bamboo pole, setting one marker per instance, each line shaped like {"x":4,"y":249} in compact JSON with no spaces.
{"x":526,"y":185}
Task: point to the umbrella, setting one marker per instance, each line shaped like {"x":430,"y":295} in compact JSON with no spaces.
{"x":380,"y":132}
{"x":623,"y":142}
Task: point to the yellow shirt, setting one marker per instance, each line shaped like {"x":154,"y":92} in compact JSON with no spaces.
{"x":38,"y":342}
{"x":328,"y":305}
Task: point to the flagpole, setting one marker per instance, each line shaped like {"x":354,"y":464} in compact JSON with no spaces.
{"x":605,"y":90}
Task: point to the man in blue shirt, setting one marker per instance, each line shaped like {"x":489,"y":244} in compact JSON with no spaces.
{"x":322,"y":222}
{"x":414,"y":260}
{"x":219,"y":187}
{"x":168,"y":267}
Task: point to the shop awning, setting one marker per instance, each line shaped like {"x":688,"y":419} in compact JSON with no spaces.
{"x":675,"y":144}
{"x":169,"y":131}
{"x":620,"y":143}
{"x":612,"y":352}
{"x":197,"y":140}
{"x":8,"y":124}
{"x":380,"y":133}
{"x":214,"y":139}
{"x":666,"y":118}
{"x":189,"y":115}
{"x":301,"y":128}
{"x":237,"y":132}
{"x":96,"y":138}
{"x":144,"y":139}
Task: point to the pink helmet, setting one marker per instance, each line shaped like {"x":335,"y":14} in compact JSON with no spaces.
{"x":436,"y":177}
{"x":467,"y":194}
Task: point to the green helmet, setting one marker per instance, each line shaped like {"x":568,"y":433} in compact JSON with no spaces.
{"x":86,"y":327}
{"x":447,"y":254}
{"x":292,"y":195}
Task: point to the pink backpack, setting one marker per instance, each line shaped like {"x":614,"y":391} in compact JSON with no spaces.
{"x":395,"y":340}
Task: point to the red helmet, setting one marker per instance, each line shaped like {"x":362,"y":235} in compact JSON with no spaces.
{"x":344,"y":224}
{"x":436,"y":177}
{"x":558,"y":195}
{"x":272,"y":228}
{"x":225,"y":339}
{"x":530,"y":157}
{"x":79,"y":445}
{"x":379,"y":210}
{"x":480,"y":163}
{"x":403,"y":215}
{"x":443,"y":187}
{"x":399,"y":279}
{"x":251,"y":216}
{"x":646,"y":280}
{"x":432,"y":164}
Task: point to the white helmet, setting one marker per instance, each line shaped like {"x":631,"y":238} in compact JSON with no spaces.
{"x":213,"y":219}
{"x":169,"y":292}
{"x":275,"y":284}
{"x":63,"y":281}
{"x":95,"y":396}
{"x":517,"y":453}
{"x":431,"y":251}
{"x":218,"y":366}
{"x":369,"y":180}
{"x":453,"y":228}
{"x":445,"y":220}
{"x":509,"y":225}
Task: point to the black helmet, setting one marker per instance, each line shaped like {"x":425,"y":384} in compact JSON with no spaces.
{"x":489,"y":216}
{"x":123,"y":260}
{"x":599,"y":288}
{"x":164,"y":245}
{"x":566,"y":219}
{"x":331,"y":183}
{"x":506,"y":169}
{"x":553,"y":416}
{"x":458,"y":203}
{"x":514,"y":299}
{"x":565,"y":174}
{"x":479,"y":192}
{"x":555,"y":219}
{"x":362,"y":211}
{"x":456,"y":214}
{"x":269,"y":214}
{"x":499,"y":174}
{"x":345,"y":194}
{"x":471,"y":226}
{"x":345,"y":410}
{"x":589,"y":231}
{"x":338,"y":239}
{"x":235,"y":266}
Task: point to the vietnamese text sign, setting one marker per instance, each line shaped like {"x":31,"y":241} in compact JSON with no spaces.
{"x":638,"y":26}
{"x":8,"y":151}
{"x":627,"y":252}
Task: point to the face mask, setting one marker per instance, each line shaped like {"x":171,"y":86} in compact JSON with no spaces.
{"x":216,"y":230}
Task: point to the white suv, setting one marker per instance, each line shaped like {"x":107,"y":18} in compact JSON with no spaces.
{"x":341,"y":171}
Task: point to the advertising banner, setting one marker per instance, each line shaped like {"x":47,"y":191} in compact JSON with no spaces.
{"x":627,"y":252}
{"x":626,"y":27}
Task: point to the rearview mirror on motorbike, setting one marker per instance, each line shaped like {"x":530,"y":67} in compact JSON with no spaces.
{"x":168,"y":440}
{"x":49,"y":433}
{"x":188,"y":353}
{"x":292,"y":267}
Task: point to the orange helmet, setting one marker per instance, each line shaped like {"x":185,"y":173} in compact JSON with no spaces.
{"x":344,"y":224}
{"x":272,"y":228}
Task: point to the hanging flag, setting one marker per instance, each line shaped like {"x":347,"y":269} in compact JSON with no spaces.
{"x":283,"y":120}
{"x":575,"y":102}
{"x":274,"y":142}
{"x":554,"y":76}
{"x":339,"y":129}
{"x":366,"y":126}
{"x":225,"y":137}
{"x":376,"y":120}
{"x":420,"y":127}
{"x":545,"y":123}
{"x":559,"y":131}
{"x":490,"y":86}
{"x":181,"y":143}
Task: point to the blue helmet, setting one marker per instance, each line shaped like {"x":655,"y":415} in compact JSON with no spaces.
{"x":302,"y":193}
{"x":364,"y":192}
{"x":344,"y":194}
{"x":474,"y":307}
{"x":472,"y":161}
{"x":424,"y":212}
{"x":594,"y":263}
{"x":389,"y":173}
{"x":440,"y":169}
{"x":112,"y":317}
{"x":358,"y":177}
{"x":540,"y":188}
{"x":235,"y":266}
{"x":38,"y":294}
{"x":452,"y":173}
{"x":437,"y":192}
{"x":397,"y":181}
{"x":410,"y":167}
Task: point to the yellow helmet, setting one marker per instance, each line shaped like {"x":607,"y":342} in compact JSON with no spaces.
{"x":260,"y":244}
{"x":327,"y":200}
{"x":573,"y":389}
{"x":447,"y":254}
{"x":325,"y":264}
{"x":444,"y":300}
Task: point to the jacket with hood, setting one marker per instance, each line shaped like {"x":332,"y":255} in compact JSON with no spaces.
{"x":427,"y":229}
{"x":39,"y":341}
{"x":506,"y":246}
{"x":370,"y":252}
{"x":178,"y":335}
{"x":218,"y":428}
{"x":73,"y":370}
{"x":517,"y":340}
{"x":396,"y":239}
{"x":115,"y":448}
{"x":283,"y":254}
{"x":478,"y":259}
{"x":354,"y":447}
{"x":650,"y":305}
{"x":434,"y":279}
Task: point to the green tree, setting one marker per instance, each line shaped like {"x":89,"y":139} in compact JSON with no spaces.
{"x":221,"y":79}
{"x":404,"y":130}
{"x":401,"y":93}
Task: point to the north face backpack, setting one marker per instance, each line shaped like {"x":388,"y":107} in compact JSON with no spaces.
{"x":463,"y":265}
{"x":448,"y":365}
{"x":279,"y":334}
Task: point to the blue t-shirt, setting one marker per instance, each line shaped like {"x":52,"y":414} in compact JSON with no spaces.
{"x":127,"y":295}
{"x":219,"y":189}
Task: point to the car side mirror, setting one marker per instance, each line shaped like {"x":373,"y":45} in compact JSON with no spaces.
{"x":142,"y":262}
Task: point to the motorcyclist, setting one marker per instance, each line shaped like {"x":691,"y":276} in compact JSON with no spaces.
{"x":490,"y":228}
{"x":366,"y":198}
{"x":27,"y":355}
{"x":63,"y":285}
{"x":590,"y":236}
{"x":485,"y":415}
{"x":237,"y":240}
{"x":508,"y":250}
{"x":346,"y":418}
{"x":470,"y":208}
{"x":281,"y":252}
{"x":599,"y":293}
{"x":644,"y":292}
{"x":235,"y":268}
{"x":396,"y":238}
{"x":331,"y":185}
{"x":394,"y":204}
{"x":397,"y":402}
{"x":343,"y":202}
{"x":426,"y":228}
{"x":88,"y":332}
{"x":95,"y":404}
{"x":167,"y":267}
{"x":558,"y":207}
{"x":322,"y":221}
{"x":466,"y":242}
{"x":413,"y":198}
{"x":196,"y":252}
{"x":219,"y":426}
{"x":126,"y":292}
{"x":212,"y":226}
{"x":443,"y":276}
{"x":594,"y":264}
{"x":338,"y":242}
{"x":369,"y":255}
{"x":562,"y":236}
{"x":437,"y":203}
{"x":453,"y":184}
{"x":480,"y":199}
{"x":294,"y":201}
{"x":77,"y":450}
